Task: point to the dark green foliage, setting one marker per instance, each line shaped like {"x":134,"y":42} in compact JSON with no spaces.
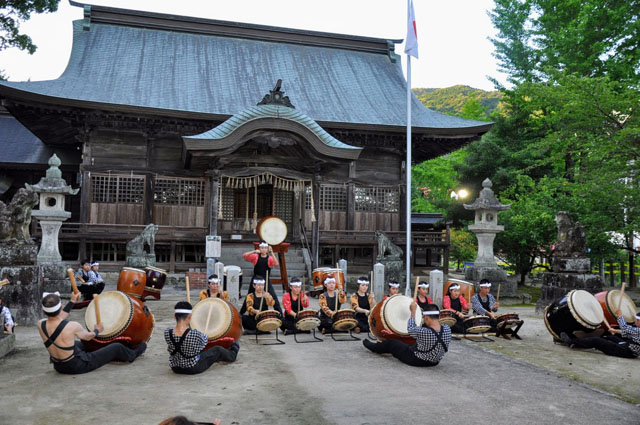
{"x":12,"y":12}
{"x":452,"y":100}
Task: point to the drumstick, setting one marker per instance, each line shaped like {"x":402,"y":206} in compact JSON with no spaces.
{"x":621,"y":295}
{"x":469,"y":293}
{"x":72,"y":278}
{"x":4,"y":282}
{"x":97,"y":308}
{"x":206,"y":326}
{"x":415,"y":290}
{"x":498,"y":298}
{"x":186,"y":282}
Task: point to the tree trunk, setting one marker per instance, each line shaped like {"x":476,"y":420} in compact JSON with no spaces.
{"x":632,"y":266}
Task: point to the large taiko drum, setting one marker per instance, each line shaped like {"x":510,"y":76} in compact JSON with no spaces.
{"x":321,"y":273}
{"x":154,"y":282}
{"x":579,"y":310}
{"x":132,"y":282}
{"x":125,"y":319}
{"x":272,"y":230}
{"x":222,"y":327}
{"x":389,"y":318}
{"x":609,"y":301}
{"x":467,"y":290}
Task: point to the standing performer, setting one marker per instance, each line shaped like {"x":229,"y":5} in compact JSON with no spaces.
{"x":185,"y":345}
{"x":263,"y":260}
{"x":485,"y":304}
{"x":95,"y":278}
{"x":291,"y":305}
{"x":432,"y":341}
{"x":362,"y":304}
{"x":253,"y":303}
{"x":66,"y":354}
{"x":453,"y":301}
{"x":213,"y":291}
{"x":329,"y":303}
{"x":394,"y":289}
{"x":626,"y":346}
{"x":423,"y":299}
{"x":87,"y":288}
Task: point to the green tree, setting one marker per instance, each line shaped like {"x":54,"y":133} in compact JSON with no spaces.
{"x":474,"y":110}
{"x":12,"y":12}
{"x":464,"y":246}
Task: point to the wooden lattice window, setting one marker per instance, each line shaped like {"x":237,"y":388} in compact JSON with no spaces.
{"x":333,"y":197}
{"x":283,"y":205}
{"x":377,"y":199}
{"x":117,"y":189}
{"x":227,"y":203}
{"x":307,"y":197}
{"x":179,"y":191}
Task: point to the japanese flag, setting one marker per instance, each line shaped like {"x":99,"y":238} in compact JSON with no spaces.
{"x":411,"y":44}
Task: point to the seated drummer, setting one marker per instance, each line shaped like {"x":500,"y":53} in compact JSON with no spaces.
{"x":95,"y":277}
{"x":328,"y":304}
{"x":6,"y":318}
{"x":453,"y":301}
{"x":432,"y":340}
{"x":253,"y":303}
{"x":394,"y":289}
{"x":627,"y":345}
{"x":87,"y":287}
{"x":185,"y":345}
{"x":485,"y":304}
{"x":67,"y":354}
{"x":214,"y":289}
{"x":362,"y":303}
{"x":423,"y":298}
{"x":291,"y":305}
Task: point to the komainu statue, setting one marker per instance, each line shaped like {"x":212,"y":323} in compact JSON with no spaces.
{"x":135,"y":247}
{"x":386,"y":248}
{"x":572,"y":240}
{"x":15,"y":218}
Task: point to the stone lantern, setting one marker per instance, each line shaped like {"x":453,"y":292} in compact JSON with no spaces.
{"x":52,"y":190}
{"x":485,"y":228}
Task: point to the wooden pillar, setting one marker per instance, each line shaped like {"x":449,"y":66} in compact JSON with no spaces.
{"x":84,"y":212}
{"x":214,"y":184}
{"x":297,"y":214}
{"x":148,"y":198}
{"x":172,"y":258}
{"x":316,"y":225}
{"x":403,"y":195}
{"x":351,"y":198}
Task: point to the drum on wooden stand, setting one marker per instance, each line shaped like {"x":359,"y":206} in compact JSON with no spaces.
{"x":448,"y":317}
{"x":344,"y":320}
{"x":389,"y":318}
{"x":132,"y":282}
{"x":272,"y":230}
{"x":155,"y":279}
{"x":125,"y":319}
{"x":224,"y":324}
{"x":307,"y":320}
{"x":507,"y":320}
{"x":476,"y":324}
{"x":577,"y":311}
{"x":268,"y":320}
{"x":609,"y":301}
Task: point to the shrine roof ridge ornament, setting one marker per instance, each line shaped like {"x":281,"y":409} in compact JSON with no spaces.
{"x":276,"y":97}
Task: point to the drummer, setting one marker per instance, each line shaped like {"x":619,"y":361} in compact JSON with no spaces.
{"x":213,"y":291}
{"x":432,"y":340}
{"x":327,"y":302}
{"x":291,"y":305}
{"x":394,"y":289}
{"x":67,"y":354}
{"x":186,"y":345}
{"x":88,"y":287}
{"x":253,"y":303}
{"x":423,"y":298}
{"x":362,"y":304}
{"x":95,"y":277}
{"x":453,"y":301}
{"x":263,"y":260}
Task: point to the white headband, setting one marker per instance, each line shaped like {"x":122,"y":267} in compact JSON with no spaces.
{"x":394,"y":284}
{"x":454,"y":287}
{"x":637,"y":316}
{"x":214,"y":280}
{"x":295,"y":283}
{"x":258,"y":281}
{"x":363,"y":282}
{"x":485,"y":285}
{"x":330,"y":280}
{"x":431,"y":313}
{"x":423,"y":285}
{"x":95,"y":264}
{"x":263,"y":244}
{"x":55,"y":307}
{"x":44,"y":294}
{"x":182,"y":310}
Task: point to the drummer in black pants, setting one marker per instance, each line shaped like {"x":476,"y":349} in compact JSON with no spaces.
{"x":263,"y":260}
{"x":627,"y":345}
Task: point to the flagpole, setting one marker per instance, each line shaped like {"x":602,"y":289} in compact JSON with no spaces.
{"x":408,"y":190}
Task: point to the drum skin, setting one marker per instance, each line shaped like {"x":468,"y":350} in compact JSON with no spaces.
{"x":344,"y":320}
{"x":307,"y":320}
{"x":154,"y":282}
{"x":272,"y":230}
{"x":477,"y":324}
{"x":268,"y":320}
{"x":137,"y":328}
{"x":448,"y":317}
{"x":379,"y":327}
{"x":132,"y":282}
{"x":561,"y":316}
{"x":609,"y":302}
{"x":464,"y":288}
{"x":233,"y":328}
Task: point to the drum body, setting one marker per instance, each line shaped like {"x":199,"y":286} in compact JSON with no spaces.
{"x":448,"y":317}
{"x":132,"y":282}
{"x":467,"y":290}
{"x":477,"y":324}
{"x":307,"y":320}
{"x":272,"y":230}
{"x":268,"y":320}
{"x":344,"y":320}
{"x":507,"y":320}
{"x":224,"y":325}
{"x":320,"y":274}
{"x":392,"y":316}
{"x":609,"y":301}
{"x":576,"y":311}
{"x":155,"y":279}
{"x":122,"y":316}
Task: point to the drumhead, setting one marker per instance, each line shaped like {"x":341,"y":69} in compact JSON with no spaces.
{"x":272,"y":230}
{"x":135,"y":270}
{"x":395,"y":314}
{"x":220,"y":321}
{"x":156,"y":269}
{"x":627,"y":307}
{"x":585,"y":308}
{"x":116,"y":311}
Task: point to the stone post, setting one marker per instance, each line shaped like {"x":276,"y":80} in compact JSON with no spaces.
{"x":378,"y":281}
{"x":218,"y":269}
{"x":233,"y":285}
{"x":436,"y":286}
{"x":342,"y":264}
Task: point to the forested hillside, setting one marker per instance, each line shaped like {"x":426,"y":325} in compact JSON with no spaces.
{"x":451,"y":100}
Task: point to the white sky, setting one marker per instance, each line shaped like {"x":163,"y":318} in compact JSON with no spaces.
{"x":452,"y":34}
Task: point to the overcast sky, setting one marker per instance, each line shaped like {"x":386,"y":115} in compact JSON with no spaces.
{"x":452,"y":34}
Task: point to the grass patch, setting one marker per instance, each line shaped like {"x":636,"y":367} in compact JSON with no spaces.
{"x":534,"y":291}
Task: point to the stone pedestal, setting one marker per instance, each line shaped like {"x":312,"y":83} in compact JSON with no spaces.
{"x":568,"y":273}
{"x":55,"y":278}
{"x":18,"y":254}
{"x":393,"y":270}
{"x":496,"y":276}
{"x":49,"y":251}
{"x":141,"y":261}
{"x":22,"y":294}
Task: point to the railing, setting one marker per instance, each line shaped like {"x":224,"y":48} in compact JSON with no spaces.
{"x":71,"y":231}
{"x":364,"y":236}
